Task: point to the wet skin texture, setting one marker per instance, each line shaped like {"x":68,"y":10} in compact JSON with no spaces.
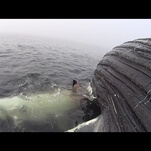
{"x":122,"y":85}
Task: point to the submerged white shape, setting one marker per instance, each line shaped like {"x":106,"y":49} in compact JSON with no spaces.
{"x":39,"y":107}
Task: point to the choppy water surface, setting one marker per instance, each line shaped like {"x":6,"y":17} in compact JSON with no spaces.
{"x":35,"y":76}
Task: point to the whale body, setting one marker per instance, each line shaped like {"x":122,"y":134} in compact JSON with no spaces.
{"x":122,"y":86}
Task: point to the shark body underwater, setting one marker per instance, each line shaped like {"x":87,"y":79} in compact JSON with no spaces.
{"x":42,"y":111}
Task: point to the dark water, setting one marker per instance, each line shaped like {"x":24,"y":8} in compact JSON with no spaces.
{"x":33,"y":66}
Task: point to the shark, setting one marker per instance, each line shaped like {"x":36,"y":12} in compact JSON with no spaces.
{"x":43,"y":111}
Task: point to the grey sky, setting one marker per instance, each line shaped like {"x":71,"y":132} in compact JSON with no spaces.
{"x":106,"y":33}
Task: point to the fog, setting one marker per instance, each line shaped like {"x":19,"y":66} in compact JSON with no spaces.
{"x":106,"y":33}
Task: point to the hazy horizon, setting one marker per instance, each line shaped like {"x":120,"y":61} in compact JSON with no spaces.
{"x":106,"y":33}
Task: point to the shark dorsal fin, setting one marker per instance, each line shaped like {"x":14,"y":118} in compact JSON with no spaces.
{"x":74,"y":82}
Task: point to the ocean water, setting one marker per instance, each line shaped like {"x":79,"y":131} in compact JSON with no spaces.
{"x":36,"y":81}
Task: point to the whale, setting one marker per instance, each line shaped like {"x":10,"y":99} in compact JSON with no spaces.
{"x":122,"y":86}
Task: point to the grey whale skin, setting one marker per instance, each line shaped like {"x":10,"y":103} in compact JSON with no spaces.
{"x":122,"y":85}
